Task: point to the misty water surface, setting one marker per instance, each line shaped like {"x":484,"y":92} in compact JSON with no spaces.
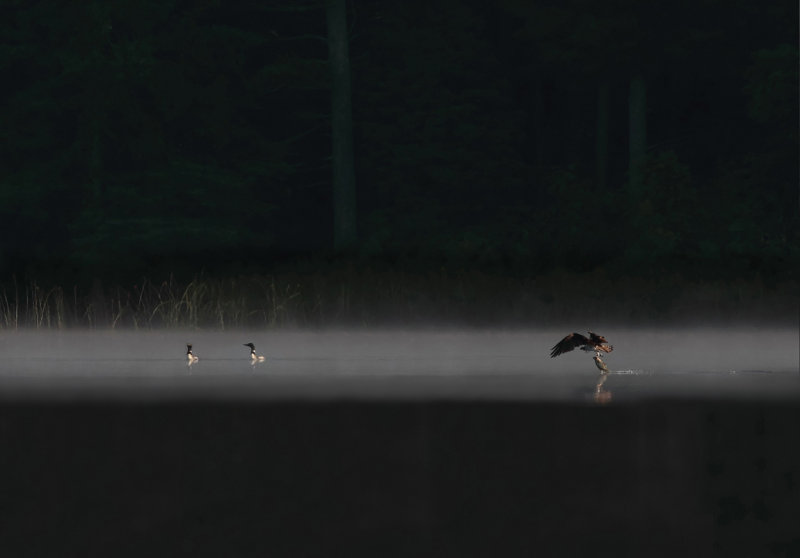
{"x":397,"y":364}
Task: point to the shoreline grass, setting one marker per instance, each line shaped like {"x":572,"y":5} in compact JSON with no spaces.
{"x":368,"y":298}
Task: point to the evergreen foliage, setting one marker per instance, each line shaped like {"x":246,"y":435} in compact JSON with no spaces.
{"x":169,"y":136}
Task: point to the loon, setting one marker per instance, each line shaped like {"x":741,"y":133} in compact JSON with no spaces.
{"x":189,"y":355}
{"x":253,"y":356}
{"x":594,"y":343}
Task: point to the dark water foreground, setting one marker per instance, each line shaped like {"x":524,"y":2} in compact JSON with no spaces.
{"x":404,"y":478}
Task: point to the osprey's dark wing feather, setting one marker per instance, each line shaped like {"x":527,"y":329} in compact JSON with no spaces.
{"x":570,"y":342}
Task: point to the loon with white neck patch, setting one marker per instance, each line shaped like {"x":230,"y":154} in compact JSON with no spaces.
{"x":253,"y":356}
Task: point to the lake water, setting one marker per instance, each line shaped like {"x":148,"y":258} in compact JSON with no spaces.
{"x":428,"y":364}
{"x":394,"y":443}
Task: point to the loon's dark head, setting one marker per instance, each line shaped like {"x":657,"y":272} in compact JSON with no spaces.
{"x":188,"y":349}
{"x":252,"y":347}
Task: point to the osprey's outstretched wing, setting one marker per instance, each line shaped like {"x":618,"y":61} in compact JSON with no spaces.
{"x":571,"y":341}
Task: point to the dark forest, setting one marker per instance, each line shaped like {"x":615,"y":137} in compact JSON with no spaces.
{"x":496,"y":159}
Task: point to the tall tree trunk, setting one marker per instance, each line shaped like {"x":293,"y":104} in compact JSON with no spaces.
{"x":344,"y":187}
{"x":601,"y":145}
{"x":96,"y":162}
{"x":637,"y":132}
{"x":539,"y":124}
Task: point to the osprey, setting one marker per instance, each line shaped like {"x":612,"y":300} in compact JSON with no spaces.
{"x":594,"y":343}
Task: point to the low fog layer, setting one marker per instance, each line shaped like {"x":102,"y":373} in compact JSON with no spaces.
{"x":398,"y":363}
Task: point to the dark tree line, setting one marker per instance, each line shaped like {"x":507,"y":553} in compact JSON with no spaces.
{"x":570,"y":134}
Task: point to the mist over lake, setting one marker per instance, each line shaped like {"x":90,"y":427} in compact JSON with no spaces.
{"x":399,"y":364}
